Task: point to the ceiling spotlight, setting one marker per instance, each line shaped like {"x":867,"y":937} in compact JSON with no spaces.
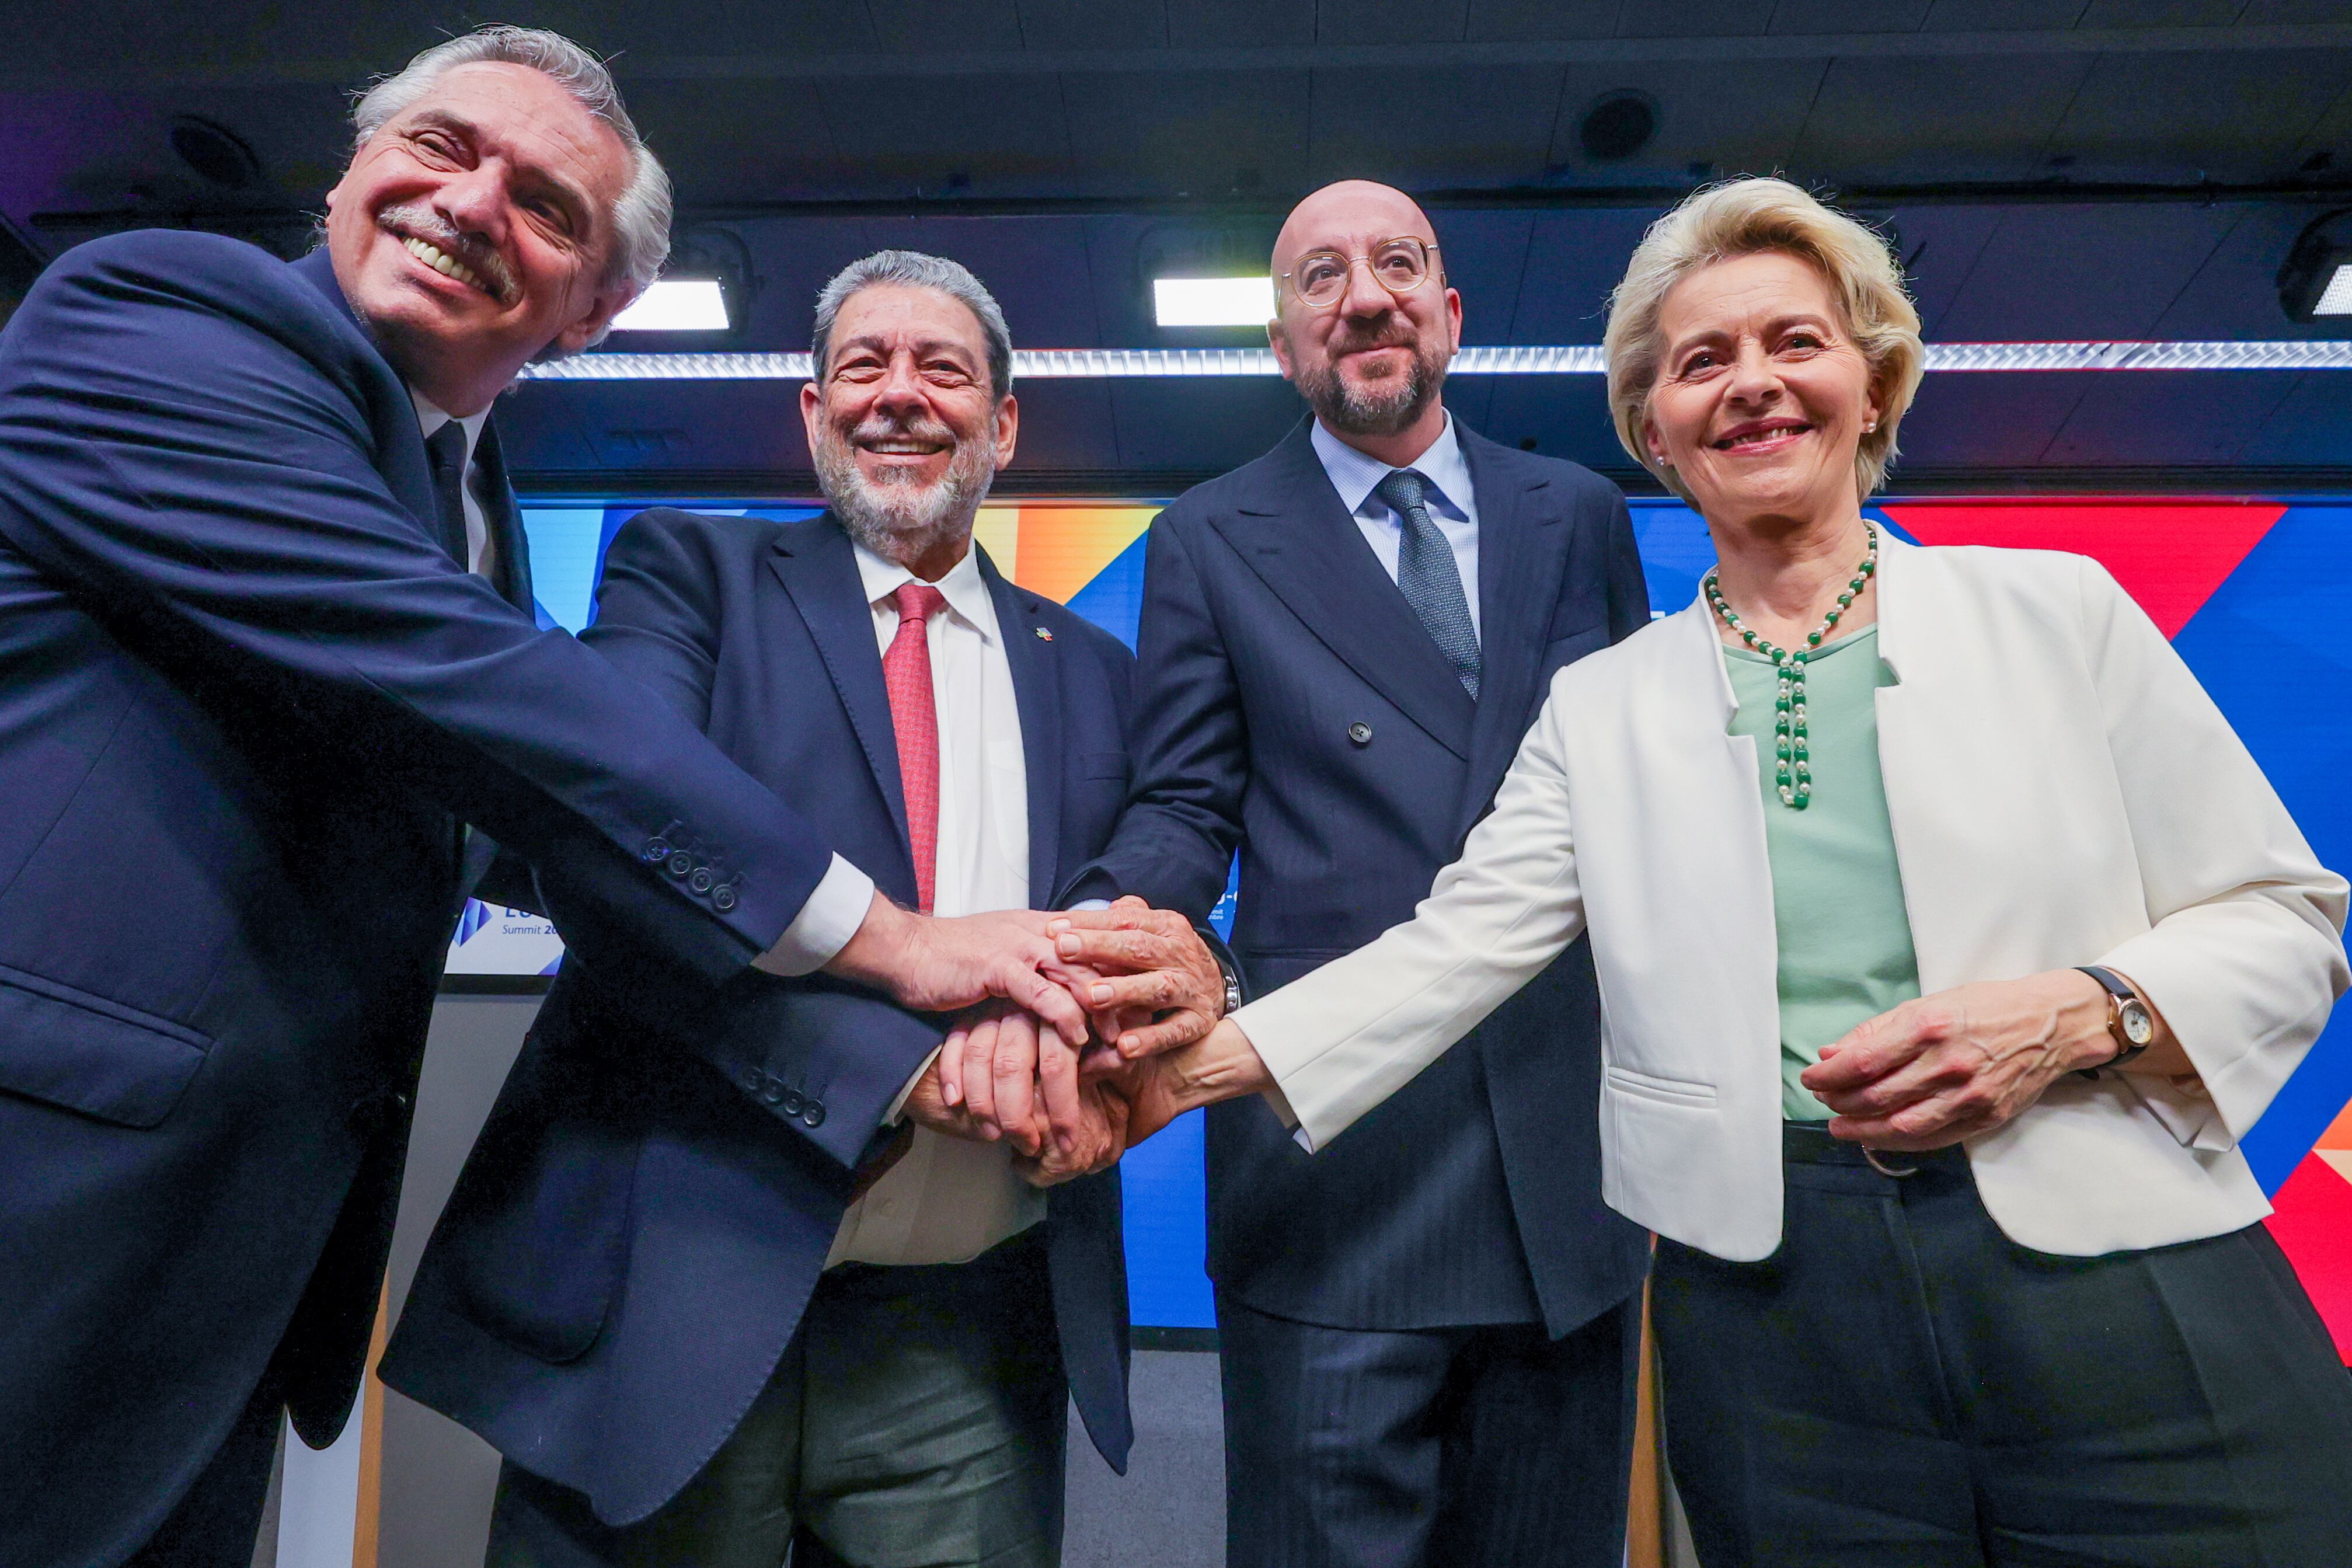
{"x":1213,"y":302}
{"x":2317,"y":279}
{"x":677,"y":305}
{"x":1617,"y":125}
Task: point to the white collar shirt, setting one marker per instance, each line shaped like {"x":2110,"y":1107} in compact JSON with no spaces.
{"x":1453,"y":502}
{"x":481,"y":551}
{"x":950,"y":1200}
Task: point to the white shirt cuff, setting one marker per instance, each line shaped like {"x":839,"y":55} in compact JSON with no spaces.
{"x":1090,"y":904}
{"x":897,"y":1113}
{"x":826,"y":923}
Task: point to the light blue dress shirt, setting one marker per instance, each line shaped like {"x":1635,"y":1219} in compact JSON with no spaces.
{"x":1452,"y":504}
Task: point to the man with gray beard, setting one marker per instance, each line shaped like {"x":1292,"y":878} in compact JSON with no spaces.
{"x":1429,"y":1328}
{"x":693,"y":1343}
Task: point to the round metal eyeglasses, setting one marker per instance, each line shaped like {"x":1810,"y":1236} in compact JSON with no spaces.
{"x":1319,"y":277}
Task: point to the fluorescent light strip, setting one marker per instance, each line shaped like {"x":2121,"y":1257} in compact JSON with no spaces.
{"x":2336,"y":300}
{"x":1213,"y":302}
{"x":1578,"y":359}
{"x":675,"y":305}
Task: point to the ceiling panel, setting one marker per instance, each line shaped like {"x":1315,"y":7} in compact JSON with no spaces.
{"x":1573,"y":260}
{"x":2234,"y":294}
{"x":1091,"y":25}
{"x":1920,"y":120}
{"x":737,"y":142}
{"x":1389,"y":21}
{"x":2161,"y":12}
{"x":1939,"y":247}
{"x":1997,"y":424}
{"x":1240,"y":24}
{"x":1198,"y":135}
{"x":941,"y":27}
{"x":1485,"y":258}
{"x":2069,"y":272}
{"x":1182,"y":426}
{"x":1065,"y":427}
{"x":2234,"y":116}
{"x":1713,"y":116}
{"x":1849,"y":15}
{"x":1695,"y":19}
{"x":897,"y":137}
{"x":2312,"y":425}
{"x":2002,"y":16}
{"x":1565,"y":416}
{"x":2166,"y":419}
{"x":1503,"y":20}
{"x":1433,"y":129}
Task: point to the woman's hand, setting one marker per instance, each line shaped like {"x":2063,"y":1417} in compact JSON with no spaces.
{"x":1222,"y":1064}
{"x":1960,"y":1062}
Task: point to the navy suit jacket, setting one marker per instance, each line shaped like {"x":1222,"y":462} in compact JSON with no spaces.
{"x":245,"y":701}
{"x":1290,"y":702}
{"x":632,"y":1243}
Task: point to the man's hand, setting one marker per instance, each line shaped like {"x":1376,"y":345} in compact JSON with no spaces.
{"x":927,"y":1106}
{"x":1015,"y":1080}
{"x":1962,"y":1062}
{"x":1222,"y":1064}
{"x":1148,"y":962}
{"x":1100,"y":1138}
{"x":938,"y":965}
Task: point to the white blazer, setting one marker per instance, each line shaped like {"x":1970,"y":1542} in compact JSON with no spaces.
{"x":2063,"y":792}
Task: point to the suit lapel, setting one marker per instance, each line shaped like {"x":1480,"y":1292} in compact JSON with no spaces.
{"x":1522,"y":540}
{"x":400,"y":457}
{"x":1307,"y":548}
{"x":1035,"y":663}
{"x":818,"y":567}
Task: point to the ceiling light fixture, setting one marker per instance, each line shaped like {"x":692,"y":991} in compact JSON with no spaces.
{"x":1213,"y":302}
{"x":677,"y":305}
{"x":2315,"y":280}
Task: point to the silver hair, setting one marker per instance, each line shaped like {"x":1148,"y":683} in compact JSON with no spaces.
{"x":913,"y":269}
{"x":642,"y":213}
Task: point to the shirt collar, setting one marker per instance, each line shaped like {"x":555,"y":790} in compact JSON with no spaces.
{"x":963,"y":588}
{"x":1355,"y":475}
{"x":430,"y":418}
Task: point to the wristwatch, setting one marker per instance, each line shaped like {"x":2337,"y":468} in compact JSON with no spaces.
{"x":1232,"y":985}
{"x":2128,"y":1019}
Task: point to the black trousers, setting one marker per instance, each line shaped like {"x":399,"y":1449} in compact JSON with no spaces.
{"x":1374,"y":1449}
{"x":1901,"y":1385}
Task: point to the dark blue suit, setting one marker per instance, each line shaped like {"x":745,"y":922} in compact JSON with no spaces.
{"x":245,"y":701}
{"x":633,"y":1241}
{"x":1292,"y":705}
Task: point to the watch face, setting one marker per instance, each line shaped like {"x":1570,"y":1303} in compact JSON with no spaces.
{"x":2138,"y":1027}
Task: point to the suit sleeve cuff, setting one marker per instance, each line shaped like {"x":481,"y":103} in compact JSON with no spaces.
{"x":824,"y":925}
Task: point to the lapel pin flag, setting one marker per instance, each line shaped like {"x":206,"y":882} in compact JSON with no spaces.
{"x":1042,"y":635}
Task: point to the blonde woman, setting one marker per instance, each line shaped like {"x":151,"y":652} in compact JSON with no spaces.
{"x":1948,"y":942}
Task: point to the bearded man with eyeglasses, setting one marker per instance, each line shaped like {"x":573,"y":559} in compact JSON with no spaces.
{"x":1429,"y":1329}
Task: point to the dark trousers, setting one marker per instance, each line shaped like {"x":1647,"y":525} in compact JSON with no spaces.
{"x":217,"y":1522}
{"x":1371,"y":1448}
{"x":916,"y":1421}
{"x":1901,"y":1385}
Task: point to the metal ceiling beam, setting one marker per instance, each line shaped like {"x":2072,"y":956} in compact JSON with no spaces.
{"x":1574,"y":359}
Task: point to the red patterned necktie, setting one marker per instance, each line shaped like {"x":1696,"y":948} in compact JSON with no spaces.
{"x":907,"y":673}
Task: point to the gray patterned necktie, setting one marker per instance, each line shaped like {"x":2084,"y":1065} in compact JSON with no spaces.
{"x":1431,"y":580}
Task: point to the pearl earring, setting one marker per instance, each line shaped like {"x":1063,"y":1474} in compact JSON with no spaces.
{"x":1867,"y":429}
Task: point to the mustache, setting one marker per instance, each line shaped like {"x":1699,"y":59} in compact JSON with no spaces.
{"x":1389,"y":338}
{"x":883,"y":427}
{"x":476,"y":252}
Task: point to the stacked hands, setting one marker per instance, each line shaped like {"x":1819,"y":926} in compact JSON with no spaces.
{"x":1057,"y":1060}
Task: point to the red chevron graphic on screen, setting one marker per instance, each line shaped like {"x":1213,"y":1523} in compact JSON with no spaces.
{"x":2168,"y":555}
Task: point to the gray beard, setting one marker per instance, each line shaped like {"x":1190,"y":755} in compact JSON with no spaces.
{"x":1382,"y":409}
{"x":901,"y":520}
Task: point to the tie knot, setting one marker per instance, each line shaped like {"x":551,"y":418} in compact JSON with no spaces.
{"x":1405,"y":490}
{"x":919,"y":602}
{"x":446,"y":446}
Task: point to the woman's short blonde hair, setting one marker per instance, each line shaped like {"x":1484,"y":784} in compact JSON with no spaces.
{"x":1746,"y":217}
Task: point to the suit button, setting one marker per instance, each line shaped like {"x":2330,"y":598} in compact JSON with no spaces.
{"x":750,"y":1080}
{"x":702,"y":881}
{"x":722,"y":899}
{"x":773,"y":1093}
{"x":793,"y":1102}
{"x":680,"y":863}
{"x":1360,"y":732}
{"x":657,"y":849}
{"x":814,"y":1113}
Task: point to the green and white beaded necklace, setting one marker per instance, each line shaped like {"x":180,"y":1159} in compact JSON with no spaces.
{"x":1794,"y":775}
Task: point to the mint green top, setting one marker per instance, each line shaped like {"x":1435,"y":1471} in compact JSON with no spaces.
{"x":1837,"y":892}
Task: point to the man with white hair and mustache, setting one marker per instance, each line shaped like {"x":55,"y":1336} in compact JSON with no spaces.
{"x":267,"y":656}
{"x":759,"y":1351}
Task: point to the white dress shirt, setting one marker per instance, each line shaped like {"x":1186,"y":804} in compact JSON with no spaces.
{"x":950,"y":1200}
{"x":1453,"y":503}
{"x":481,"y":550}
